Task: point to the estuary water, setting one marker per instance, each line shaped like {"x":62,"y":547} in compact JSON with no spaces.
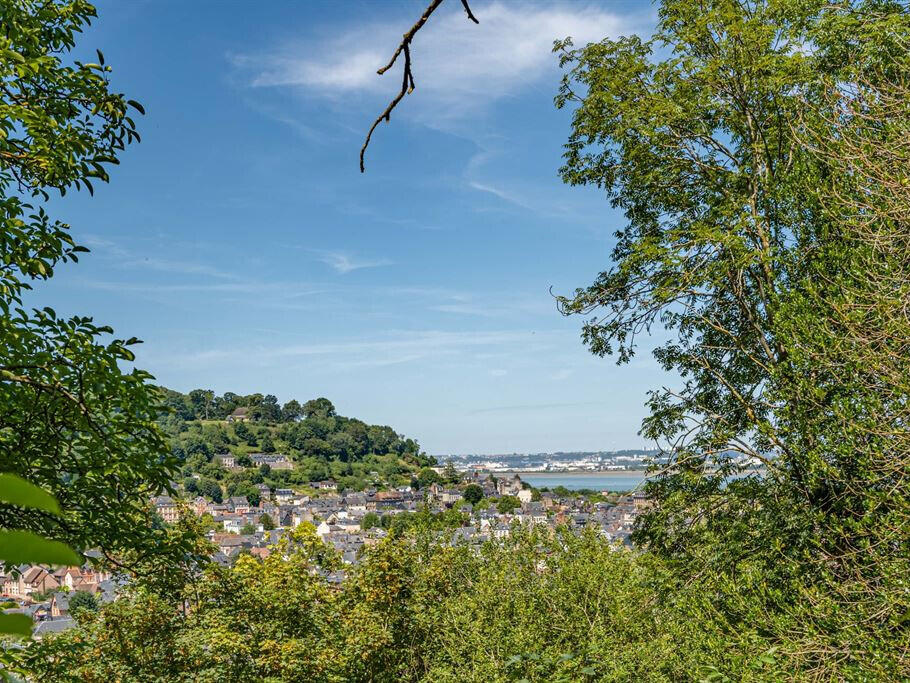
{"x":598,"y":481}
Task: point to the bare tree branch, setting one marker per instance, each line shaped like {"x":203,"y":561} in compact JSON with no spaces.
{"x":407,"y":78}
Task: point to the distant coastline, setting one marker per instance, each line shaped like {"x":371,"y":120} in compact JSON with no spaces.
{"x":576,"y":473}
{"x":603,"y":480}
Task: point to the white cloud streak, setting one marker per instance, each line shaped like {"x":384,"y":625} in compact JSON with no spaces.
{"x":456,"y":63}
{"x":345,"y":263}
{"x":391,"y":349}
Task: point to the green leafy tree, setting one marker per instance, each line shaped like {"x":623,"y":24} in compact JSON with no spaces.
{"x":370,"y":520}
{"x":759,"y":237}
{"x":318,"y":407}
{"x":472,"y":493}
{"x":82,"y":600}
{"x":202,"y":401}
{"x":450,"y":474}
{"x":505,"y":504}
{"x":72,"y":419}
{"x":19,"y":547}
{"x":291,"y":411}
{"x":267,"y":522}
{"x":269,"y":410}
{"x":210,"y":488}
{"x":427,"y":476}
{"x":241,"y":431}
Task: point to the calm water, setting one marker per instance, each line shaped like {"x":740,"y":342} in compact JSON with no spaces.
{"x":599,"y":481}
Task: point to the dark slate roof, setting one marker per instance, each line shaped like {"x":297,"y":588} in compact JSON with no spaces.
{"x":54,"y":626}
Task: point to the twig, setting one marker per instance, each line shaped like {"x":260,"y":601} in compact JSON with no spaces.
{"x":407,"y":79}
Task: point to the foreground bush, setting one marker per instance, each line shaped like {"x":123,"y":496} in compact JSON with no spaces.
{"x":535,"y":607}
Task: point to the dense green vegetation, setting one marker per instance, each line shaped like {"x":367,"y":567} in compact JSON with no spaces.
{"x":421,"y":611}
{"x":764,"y":188}
{"x":760,"y":154}
{"x":73,"y":420}
{"x":320,"y":443}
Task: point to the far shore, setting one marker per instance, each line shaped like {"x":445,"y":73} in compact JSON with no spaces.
{"x":575,"y":473}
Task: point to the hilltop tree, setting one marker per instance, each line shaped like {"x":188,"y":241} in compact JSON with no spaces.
{"x":318,"y":407}
{"x":202,"y":401}
{"x":291,"y":411}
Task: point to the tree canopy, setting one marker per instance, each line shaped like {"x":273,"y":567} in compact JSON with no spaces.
{"x":761,"y":242}
{"x":73,"y":418}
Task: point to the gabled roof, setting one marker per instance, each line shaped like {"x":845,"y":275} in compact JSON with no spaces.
{"x":54,"y":626}
{"x":34,"y":574}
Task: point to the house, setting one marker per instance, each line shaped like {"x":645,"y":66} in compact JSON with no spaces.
{"x":200,"y":506}
{"x":525,"y":495}
{"x":509,"y":487}
{"x":449,"y":497}
{"x":36,"y":580}
{"x":229,"y":544}
{"x":80,"y":578}
{"x":166,"y":508}
{"x":238,"y":504}
{"x":298,"y":518}
{"x":239,"y":415}
{"x":60,"y":605}
{"x":42,"y":628}
{"x":234,"y":524}
{"x":327,"y":485}
{"x":324,"y":529}
{"x":356,"y":502}
{"x":260,"y":553}
{"x":227,"y":460}
{"x":275,"y":461}
{"x":284,"y":496}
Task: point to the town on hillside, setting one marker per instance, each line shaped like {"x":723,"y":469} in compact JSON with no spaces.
{"x":471,"y":507}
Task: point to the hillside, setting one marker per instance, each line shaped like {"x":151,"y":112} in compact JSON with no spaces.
{"x":207,"y":432}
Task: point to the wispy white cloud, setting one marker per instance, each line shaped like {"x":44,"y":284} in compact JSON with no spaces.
{"x":125,"y":258}
{"x":502,"y":194}
{"x":345,"y":263}
{"x":182,"y":267}
{"x":534,"y":406}
{"x":456,"y":62}
{"x":390,"y":349}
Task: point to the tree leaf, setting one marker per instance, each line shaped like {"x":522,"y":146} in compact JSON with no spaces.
{"x":18,"y":491}
{"x":16,"y":624}
{"x":24,"y":547}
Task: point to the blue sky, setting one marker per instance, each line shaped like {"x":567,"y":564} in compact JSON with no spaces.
{"x":240,"y":242}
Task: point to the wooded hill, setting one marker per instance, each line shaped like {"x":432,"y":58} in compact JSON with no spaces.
{"x":322,"y":444}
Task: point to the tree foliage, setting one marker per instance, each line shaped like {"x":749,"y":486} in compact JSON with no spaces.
{"x":760,"y":237}
{"x":73,"y":420}
{"x":472,"y":493}
{"x":418,"y":608}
